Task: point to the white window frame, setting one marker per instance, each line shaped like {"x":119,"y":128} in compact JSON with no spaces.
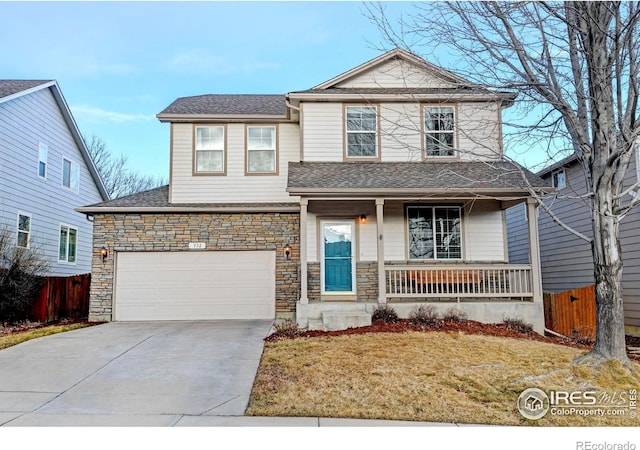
{"x":348,"y":132}
{"x":43,"y":148}
{"x":273,"y":149}
{"x":452,"y":132}
{"x":75,"y":187}
{"x":554,"y":180}
{"x":66,"y":256}
{"x":18,"y":231}
{"x":222,"y":149}
{"x":434,"y":231}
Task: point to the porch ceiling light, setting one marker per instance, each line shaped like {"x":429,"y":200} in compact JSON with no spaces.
{"x":363,"y":218}
{"x":287,"y":252}
{"x":104,"y":252}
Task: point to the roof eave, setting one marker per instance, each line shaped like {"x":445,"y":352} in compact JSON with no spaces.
{"x":507,"y":99}
{"x":184,"y":209}
{"x":442,"y":193}
{"x":27,"y":91}
{"x":221,"y":117}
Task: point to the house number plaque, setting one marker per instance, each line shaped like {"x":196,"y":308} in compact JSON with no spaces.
{"x":197,"y":245}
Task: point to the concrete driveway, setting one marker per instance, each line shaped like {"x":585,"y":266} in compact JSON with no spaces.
{"x":132,"y":374}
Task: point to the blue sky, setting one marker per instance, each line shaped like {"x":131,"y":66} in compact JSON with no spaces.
{"x":121,"y":63}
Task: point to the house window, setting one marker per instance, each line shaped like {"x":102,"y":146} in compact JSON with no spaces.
{"x":68,"y":244}
{"x":42,"y":160}
{"x":24,"y":230}
{"x":70,"y":175}
{"x":209,"y":150}
{"x":434,"y":232}
{"x":559,"y":179}
{"x":261,"y":149}
{"x":439,"y":131}
{"x":362,"y":131}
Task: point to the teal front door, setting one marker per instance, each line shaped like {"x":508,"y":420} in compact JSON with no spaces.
{"x":338,"y":256}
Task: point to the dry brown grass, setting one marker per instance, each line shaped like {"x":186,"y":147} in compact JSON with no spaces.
{"x":432,"y":376}
{"x":23,"y":336}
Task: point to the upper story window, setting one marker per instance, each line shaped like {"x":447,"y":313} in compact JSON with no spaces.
{"x":434,"y":232}
{"x":68,"y":244}
{"x":262,"y":150}
{"x":24,"y":230}
{"x":209,"y":150}
{"x":559,"y":179}
{"x":362,"y":131}
{"x":42,"y":160}
{"x":70,"y":175}
{"x":439,"y":131}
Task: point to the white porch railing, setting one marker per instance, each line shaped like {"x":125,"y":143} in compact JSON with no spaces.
{"x":479,"y":280}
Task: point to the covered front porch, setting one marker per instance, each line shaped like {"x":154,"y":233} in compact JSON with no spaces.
{"x":364,"y":247}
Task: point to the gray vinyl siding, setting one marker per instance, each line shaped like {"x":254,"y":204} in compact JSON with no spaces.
{"x":518,"y":234}
{"x":24,"y":122}
{"x":566,"y":260}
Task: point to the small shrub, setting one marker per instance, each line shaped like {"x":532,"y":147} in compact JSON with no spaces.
{"x":287,"y":329}
{"x":384,"y":314}
{"x":425,"y":315}
{"x":517,"y":324}
{"x":455,"y":315}
{"x":20,"y":277}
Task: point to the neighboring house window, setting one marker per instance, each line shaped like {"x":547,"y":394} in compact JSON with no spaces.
{"x":24,"y":230}
{"x":42,"y":160}
{"x":209,"y":150}
{"x":439,"y":131}
{"x":434,"y":232}
{"x":261,"y":149}
{"x":362,"y":131}
{"x":559,"y":179}
{"x":68,"y":244}
{"x":70,"y":175}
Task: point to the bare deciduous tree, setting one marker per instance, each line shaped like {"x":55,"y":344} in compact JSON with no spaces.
{"x":118,"y":179}
{"x":575,"y":68}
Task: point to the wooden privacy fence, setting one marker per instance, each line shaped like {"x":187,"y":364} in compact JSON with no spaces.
{"x":62,"y":298}
{"x":571,"y":313}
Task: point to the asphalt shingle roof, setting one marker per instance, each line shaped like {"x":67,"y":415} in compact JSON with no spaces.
{"x":235,"y":104}
{"x":158,"y":198}
{"x":10,"y":87}
{"x":454,"y":176}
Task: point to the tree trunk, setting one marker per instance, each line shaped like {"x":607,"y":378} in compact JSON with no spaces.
{"x":607,"y":257}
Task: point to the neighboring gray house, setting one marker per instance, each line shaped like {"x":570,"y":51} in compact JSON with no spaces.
{"x":566,"y":260}
{"x":45,"y":173}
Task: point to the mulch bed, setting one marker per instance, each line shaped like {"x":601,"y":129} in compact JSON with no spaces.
{"x":470,"y":327}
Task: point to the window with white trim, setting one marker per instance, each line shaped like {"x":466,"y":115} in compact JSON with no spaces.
{"x":70,"y":175}
{"x":559,"y":179}
{"x":42,"y":160}
{"x":24,"y":230}
{"x":439,"y":131}
{"x":209,"y":149}
{"x":362,"y":131}
{"x":68,"y":244}
{"x":261,"y":149}
{"x":434,"y":232}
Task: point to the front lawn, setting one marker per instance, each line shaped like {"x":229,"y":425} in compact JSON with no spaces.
{"x":427,"y":376}
{"x":13,"y":337}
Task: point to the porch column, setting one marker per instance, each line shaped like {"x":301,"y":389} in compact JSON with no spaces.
{"x":382,"y":281}
{"x":534,"y":249}
{"x":304,"y":203}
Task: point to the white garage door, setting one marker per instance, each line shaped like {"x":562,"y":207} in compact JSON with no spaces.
{"x":195,"y":285}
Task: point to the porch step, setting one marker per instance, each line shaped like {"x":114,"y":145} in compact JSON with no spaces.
{"x":341,"y":320}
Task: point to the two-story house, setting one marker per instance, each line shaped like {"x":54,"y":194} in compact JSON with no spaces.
{"x":566,"y":260}
{"x":45,"y":173}
{"x":385,"y":184}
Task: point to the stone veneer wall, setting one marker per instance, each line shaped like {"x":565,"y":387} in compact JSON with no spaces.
{"x":366,"y":281}
{"x":173,"y":232}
